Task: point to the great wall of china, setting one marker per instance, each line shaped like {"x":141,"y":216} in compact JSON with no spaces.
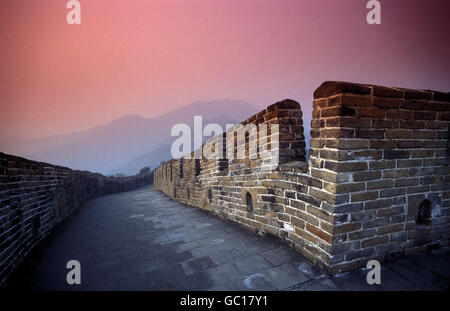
{"x":35,"y":197}
{"x":376,"y":184}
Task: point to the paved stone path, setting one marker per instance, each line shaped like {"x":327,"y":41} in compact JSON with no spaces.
{"x":142,"y":240}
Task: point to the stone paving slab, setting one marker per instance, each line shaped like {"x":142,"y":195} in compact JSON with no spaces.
{"x":142,"y":240}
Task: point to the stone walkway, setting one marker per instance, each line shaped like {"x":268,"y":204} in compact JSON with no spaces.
{"x":142,"y":240}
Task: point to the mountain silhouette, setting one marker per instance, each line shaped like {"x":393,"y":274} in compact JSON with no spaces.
{"x":125,"y":144}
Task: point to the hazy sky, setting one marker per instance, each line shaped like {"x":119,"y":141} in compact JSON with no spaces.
{"x":150,"y":57}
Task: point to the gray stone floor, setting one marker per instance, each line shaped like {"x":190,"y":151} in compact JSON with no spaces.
{"x":142,"y":240}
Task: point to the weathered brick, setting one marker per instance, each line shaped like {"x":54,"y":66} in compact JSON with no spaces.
{"x":317,"y":143}
{"x":374,"y":241}
{"x":367,"y":155}
{"x":387,"y":102}
{"x":356,"y":101}
{"x":299,"y":223}
{"x":306,"y":235}
{"x":349,"y":227}
{"x":396,"y":154}
{"x":320,"y":213}
{"x":404,"y":182}
{"x":399,"y":115}
{"x":349,"y":208}
{"x":382,"y":144}
{"x":390,"y":211}
{"x":438,"y":106}
{"x":324,"y":175}
{"x":377,"y":165}
{"x":370,"y":112}
{"x":346,"y":167}
{"x":319,"y":103}
{"x":322,"y":195}
{"x":364,"y":196}
{"x":317,"y":124}
{"x":334,"y":101}
{"x":380,"y":184}
{"x":330,"y":112}
{"x":319,"y":233}
{"x":383,"y":123}
{"x":330,"y":88}
{"x":369,"y":134}
{"x":358,"y":235}
{"x":409,"y":163}
{"x":349,"y":144}
{"x":389,"y":229}
{"x":412,"y":124}
{"x":349,"y":122}
{"x":416,"y":94}
{"x":368,"y":175}
{"x":336,"y":133}
{"x":359,"y":254}
{"x":350,"y":187}
{"x":399,"y":134}
{"x":297,"y":204}
{"x":423,"y":115}
{"x":436,"y":125}
{"x":308,"y":199}
{"x":410,"y":144}
{"x":382,"y":203}
{"x":383,"y":91}
{"x":391,"y":192}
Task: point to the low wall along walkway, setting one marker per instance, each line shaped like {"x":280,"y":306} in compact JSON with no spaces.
{"x":35,"y":196}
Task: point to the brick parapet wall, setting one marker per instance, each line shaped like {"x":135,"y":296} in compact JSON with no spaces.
{"x":35,"y":196}
{"x":386,"y":153}
{"x":376,"y":155}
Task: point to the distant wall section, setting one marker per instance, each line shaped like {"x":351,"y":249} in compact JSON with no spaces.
{"x":35,"y":196}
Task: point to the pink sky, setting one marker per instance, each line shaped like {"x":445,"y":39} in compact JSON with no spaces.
{"x":150,"y":57}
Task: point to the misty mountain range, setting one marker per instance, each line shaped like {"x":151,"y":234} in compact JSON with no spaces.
{"x":126,"y":144}
{"x":129,"y":143}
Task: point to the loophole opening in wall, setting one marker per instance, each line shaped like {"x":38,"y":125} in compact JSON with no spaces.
{"x":188,"y":194}
{"x":197,"y":167}
{"x":223,"y":160}
{"x":249,"y":202}
{"x":424,"y":213}
{"x":210,"y":195}
{"x":181,"y":168}
{"x":247,"y":145}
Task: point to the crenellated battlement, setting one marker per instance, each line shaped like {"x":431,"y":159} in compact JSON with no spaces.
{"x":376,"y":185}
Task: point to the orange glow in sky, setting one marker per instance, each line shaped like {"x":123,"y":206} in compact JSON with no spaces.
{"x":153,"y":56}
